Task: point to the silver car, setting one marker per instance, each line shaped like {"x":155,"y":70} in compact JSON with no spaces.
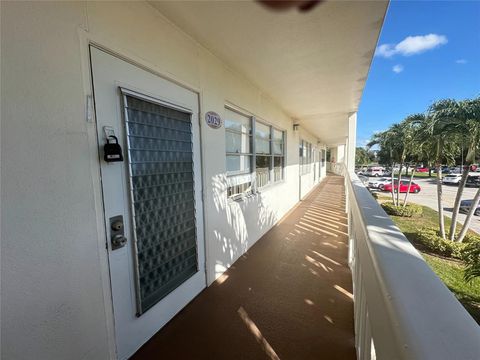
{"x":376,"y":183}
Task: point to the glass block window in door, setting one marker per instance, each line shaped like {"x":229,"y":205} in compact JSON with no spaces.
{"x":160,"y":166}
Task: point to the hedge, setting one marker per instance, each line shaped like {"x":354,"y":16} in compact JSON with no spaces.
{"x":433,"y":242}
{"x":410,"y":210}
{"x":471,"y":258}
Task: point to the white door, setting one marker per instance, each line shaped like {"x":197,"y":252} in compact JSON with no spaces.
{"x":152,"y":197}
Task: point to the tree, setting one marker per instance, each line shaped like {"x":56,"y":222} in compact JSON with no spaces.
{"x":466,"y":115}
{"x":471,"y":109}
{"x":363,"y":156}
{"x":442,"y":128}
{"x":413,"y":134}
{"x":388,"y":142}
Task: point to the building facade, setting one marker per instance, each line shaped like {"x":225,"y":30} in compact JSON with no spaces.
{"x":97,"y":255}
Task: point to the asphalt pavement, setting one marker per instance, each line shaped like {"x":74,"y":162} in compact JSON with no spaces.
{"x":428,"y":197}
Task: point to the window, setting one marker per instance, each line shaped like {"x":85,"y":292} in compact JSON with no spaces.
{"x":264,"y":156}
{"x":278,"y":145}
{"x":269,"y":159}
{"x":305,"y":157}
{"x":238,"y":143}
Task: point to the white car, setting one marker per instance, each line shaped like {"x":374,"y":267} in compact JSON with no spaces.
{"x":376,"y":183}
{"x":374,"y":171}
{"x":452,"y":179}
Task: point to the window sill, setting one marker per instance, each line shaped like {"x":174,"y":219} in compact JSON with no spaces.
{"x":240,"y":198}
{"x":266,"y":188}
{"x":270,"y":186}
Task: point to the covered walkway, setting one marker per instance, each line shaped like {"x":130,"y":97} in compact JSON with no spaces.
{"x":288,"y":297}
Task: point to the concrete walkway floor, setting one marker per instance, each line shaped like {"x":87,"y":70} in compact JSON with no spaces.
{"x":288,"y":297}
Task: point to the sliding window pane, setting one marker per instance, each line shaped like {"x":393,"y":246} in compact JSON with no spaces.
{"x":262,"y":138}
{"x":278,"y":168}
{"x":237,"y":143}
{"x":236,"y":122}
{"x":277,"y":148}
{"x":262,"y":131}
{"x":262,"y":146}
{"x":238,"y":164}
{"x":263,"y":170}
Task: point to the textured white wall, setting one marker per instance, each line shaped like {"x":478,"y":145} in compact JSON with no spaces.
{"x":54,"y":304}
{"x":352,"y":141}
{"x":307,"y":181}
{"x":340,"y":154}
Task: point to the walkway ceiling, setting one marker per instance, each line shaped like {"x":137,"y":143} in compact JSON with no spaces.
{"x":313,"y":64}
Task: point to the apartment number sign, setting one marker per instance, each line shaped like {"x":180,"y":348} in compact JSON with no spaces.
{"x":213,"y":120}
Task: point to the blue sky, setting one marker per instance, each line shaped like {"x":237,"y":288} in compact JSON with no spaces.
{"x":428,"y":50}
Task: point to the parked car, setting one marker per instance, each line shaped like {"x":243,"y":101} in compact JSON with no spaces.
{"x":414,"y":188}
{"x":363,"y":179}
{"x":473,"y":181}
{"x":445,"y":170}
{"x":375,"y":183}
{"x":465,"y":206}
{"x":452,"y":179}
{"x":422,"y":169}
{"x":374,"y":171}
{"x":360,"y":170}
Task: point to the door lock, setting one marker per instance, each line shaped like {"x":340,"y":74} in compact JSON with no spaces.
{"x":118,"y":241}
{"x":117,"y":237}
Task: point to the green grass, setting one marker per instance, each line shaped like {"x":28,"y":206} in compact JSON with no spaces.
{"x":424,"y":175}
{"x":450,"y":271}
{"x":417,"y":175}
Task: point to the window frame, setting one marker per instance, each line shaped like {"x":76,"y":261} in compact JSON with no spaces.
{"x":253,"y":188}
{"x":251,"y":159}
{"x":306,"y":149}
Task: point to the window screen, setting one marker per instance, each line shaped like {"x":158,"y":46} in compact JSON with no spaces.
{"x":160,"y":165}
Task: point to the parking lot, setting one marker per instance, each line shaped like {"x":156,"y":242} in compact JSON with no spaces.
{"x":428,"y":197}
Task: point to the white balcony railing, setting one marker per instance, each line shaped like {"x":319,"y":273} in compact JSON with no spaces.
{"x":402,"y":309}
{"x":336,"y":168}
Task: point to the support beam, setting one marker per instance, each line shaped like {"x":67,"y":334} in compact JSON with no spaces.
{"x":351,"y":142}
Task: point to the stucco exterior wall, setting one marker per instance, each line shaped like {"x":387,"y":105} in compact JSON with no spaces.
{"x":54,"y":268}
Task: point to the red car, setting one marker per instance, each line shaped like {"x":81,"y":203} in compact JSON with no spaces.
{"x":414,"y":188}
{"x":422,"y":169}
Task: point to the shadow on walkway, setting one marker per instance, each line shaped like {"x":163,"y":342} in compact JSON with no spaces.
{"x":288,"y":297}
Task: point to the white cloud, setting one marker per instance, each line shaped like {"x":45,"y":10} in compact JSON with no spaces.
{"x":461,"y":61}
{"x":397,"y":68}
{"x":412,"y":45}
{"x":362,"y":142}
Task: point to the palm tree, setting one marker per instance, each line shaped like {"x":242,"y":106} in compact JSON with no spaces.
{"x":471,"y":110}
{"x":414,"y":131}
{"x":388,"y":142}
{"x":467,"y":116}
{"x":397,"y":136}
{"x":441,"y":126}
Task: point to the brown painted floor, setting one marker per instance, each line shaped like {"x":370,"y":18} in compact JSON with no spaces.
{"x":288,"y":297}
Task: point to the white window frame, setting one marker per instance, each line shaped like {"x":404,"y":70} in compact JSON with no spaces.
{"x":305,"y":154}
{"x":282,"y":155}
{"x":236,"y":188}
{"x":242,"y":192}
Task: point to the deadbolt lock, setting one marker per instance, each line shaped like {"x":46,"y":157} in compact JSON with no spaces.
{"x":117,"y":225}
{"x":118,"y":241}
{"x":117,"y":237}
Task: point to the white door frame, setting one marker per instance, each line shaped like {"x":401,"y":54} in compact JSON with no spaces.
{"x":110,"y":45}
